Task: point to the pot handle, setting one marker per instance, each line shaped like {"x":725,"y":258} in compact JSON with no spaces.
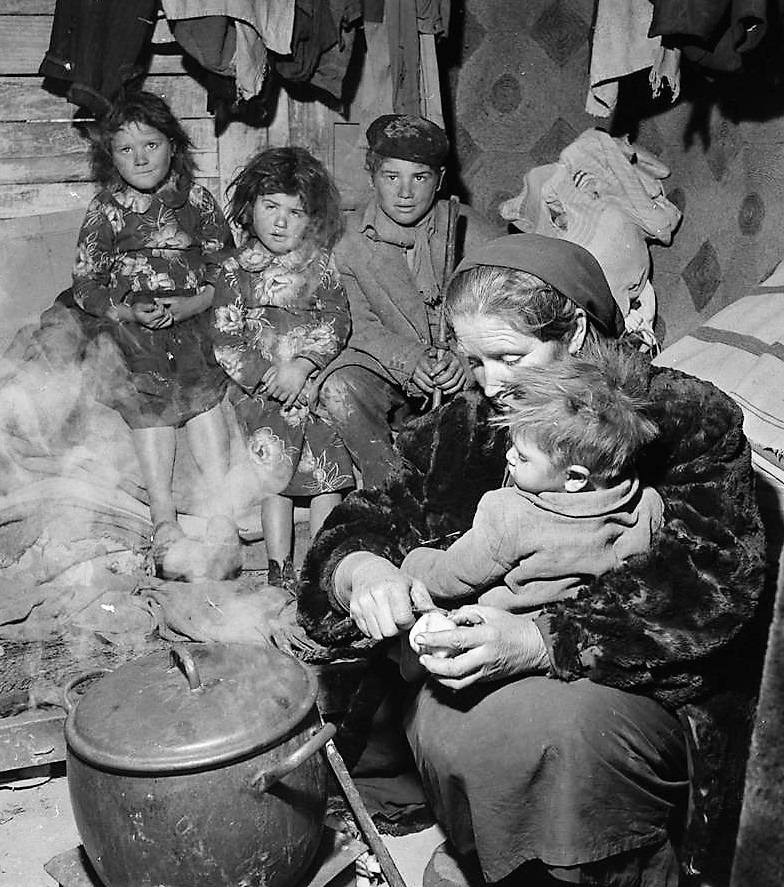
{"x":184,"y":661}
{"x":68,"y":702}
{"x":267,"y":777}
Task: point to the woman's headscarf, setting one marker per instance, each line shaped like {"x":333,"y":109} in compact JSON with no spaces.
{"x":567,"y":267}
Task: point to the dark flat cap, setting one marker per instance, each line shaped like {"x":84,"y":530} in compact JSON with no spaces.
{"x":570,"y":268}
{"x":407,"y":137}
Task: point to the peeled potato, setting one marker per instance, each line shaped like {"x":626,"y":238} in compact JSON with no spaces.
{"x":430,"y":622}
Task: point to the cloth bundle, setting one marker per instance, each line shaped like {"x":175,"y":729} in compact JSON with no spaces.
{"x":607,"y":196}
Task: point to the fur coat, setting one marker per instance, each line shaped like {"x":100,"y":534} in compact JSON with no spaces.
{"x":677,"y":624}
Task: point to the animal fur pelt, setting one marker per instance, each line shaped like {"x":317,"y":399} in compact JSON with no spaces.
{"x":672,"y":624}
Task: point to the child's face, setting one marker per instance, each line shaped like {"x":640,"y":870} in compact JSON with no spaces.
{"x":405,"y":190}
{"x":280,"y":222}
{"x":141,"y":155}
{"x":531,"y":469}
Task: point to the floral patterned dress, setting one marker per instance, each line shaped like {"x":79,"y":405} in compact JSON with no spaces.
{"x":267,"y":309}
{"x":133,"y":247}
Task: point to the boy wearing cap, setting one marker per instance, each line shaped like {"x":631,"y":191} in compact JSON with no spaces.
{"x":391,"y":262}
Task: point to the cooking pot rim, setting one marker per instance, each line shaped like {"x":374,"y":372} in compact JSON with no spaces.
{"x":217,"y":762}
{"x":177,"y":760}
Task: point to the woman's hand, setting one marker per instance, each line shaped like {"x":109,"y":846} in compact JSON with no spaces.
{"x":487,"y":645}
{"x":284,"y":381}
{"x":382,"y":598}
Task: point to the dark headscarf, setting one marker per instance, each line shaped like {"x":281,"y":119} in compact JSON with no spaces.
{"x":567,"y":267}
{"x":408,"y":137}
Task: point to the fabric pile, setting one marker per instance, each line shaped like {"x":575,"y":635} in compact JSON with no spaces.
{"x":606,"y":195}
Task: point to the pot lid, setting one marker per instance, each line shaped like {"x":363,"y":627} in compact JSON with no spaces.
{"x":197,"y":706}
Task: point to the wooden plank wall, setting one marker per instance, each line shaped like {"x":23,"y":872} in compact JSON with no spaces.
{"x":44,"y":158}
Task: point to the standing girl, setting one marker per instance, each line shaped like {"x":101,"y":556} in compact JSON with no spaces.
{"x":149,"y":252}
{"x":280,"y":317}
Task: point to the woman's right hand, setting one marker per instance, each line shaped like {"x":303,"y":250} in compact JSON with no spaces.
{"x":383,"y":598}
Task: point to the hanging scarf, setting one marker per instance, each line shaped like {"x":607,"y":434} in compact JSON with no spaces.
{"x":416,"y":238}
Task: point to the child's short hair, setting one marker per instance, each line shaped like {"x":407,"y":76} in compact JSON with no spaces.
{"x":292,"y":171}
{"x":590,"y":410}
{"x":151,"y":110}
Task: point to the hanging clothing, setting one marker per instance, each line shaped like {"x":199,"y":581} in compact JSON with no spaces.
{"x":720,"y":35}
{"x":230,"y":38}
{"x":273,"y":20}
{"x":321,"y":44}
{"x":621,"y":46}
{"x":95,"y":45}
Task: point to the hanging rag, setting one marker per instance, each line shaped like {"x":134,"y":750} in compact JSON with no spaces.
{"x":95,"y":46}
{"x":621,"y":46}
{"x":717,"y":35}
{"x":230,"y":38}
{"x":321,"y":44}
{"x":273,"y":20}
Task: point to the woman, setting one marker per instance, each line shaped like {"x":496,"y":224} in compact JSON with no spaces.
{"x":553,"y":741}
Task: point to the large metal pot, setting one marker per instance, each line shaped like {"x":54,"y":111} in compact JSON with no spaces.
{"x":198,"y":769}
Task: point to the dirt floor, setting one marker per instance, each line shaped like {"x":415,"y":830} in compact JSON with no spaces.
{"x":36,"y":824}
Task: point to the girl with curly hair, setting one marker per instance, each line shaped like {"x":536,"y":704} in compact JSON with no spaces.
{"x":148,"y":255}
{"x":280,"y":317}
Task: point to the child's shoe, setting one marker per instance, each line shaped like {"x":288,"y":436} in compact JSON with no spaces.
{"x":282,"y":575}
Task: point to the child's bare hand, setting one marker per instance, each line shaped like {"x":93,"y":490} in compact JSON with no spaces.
{"x":151,"y":315}
{"x":284,"y":381}
{"x":183,"y":307}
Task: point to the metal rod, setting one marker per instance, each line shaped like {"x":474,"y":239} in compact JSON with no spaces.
{"x":388,"y":868}
{"x":449,"y":263}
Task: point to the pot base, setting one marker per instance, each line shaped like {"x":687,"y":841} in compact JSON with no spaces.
{"x":203,"y":829}
{"x":335,"y":854}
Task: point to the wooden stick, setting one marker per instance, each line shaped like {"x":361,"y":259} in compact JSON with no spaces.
{"x":449,"y":263}
{"x":388,"y":868}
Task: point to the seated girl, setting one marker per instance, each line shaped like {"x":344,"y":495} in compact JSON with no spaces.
{"x":148,"y":255}
{"x":280,"y":317}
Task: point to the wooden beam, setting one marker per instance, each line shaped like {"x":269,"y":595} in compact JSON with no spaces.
{"x":32,"y":739}
{"x":24,"y":99}
{"x":430,"y":88}
{"x":24,"y":40}
{"x":236,"y":146}
{"x":310,"y":126}
{"x":27,"y":7}
{"x":17,"y":201}
{"x":57,"y":152}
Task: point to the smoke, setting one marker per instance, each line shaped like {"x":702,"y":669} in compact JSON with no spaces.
{"x":74,"y":519}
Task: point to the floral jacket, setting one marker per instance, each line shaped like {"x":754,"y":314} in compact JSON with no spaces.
{"x":271,"y":308}
{"x":132,"y":243}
